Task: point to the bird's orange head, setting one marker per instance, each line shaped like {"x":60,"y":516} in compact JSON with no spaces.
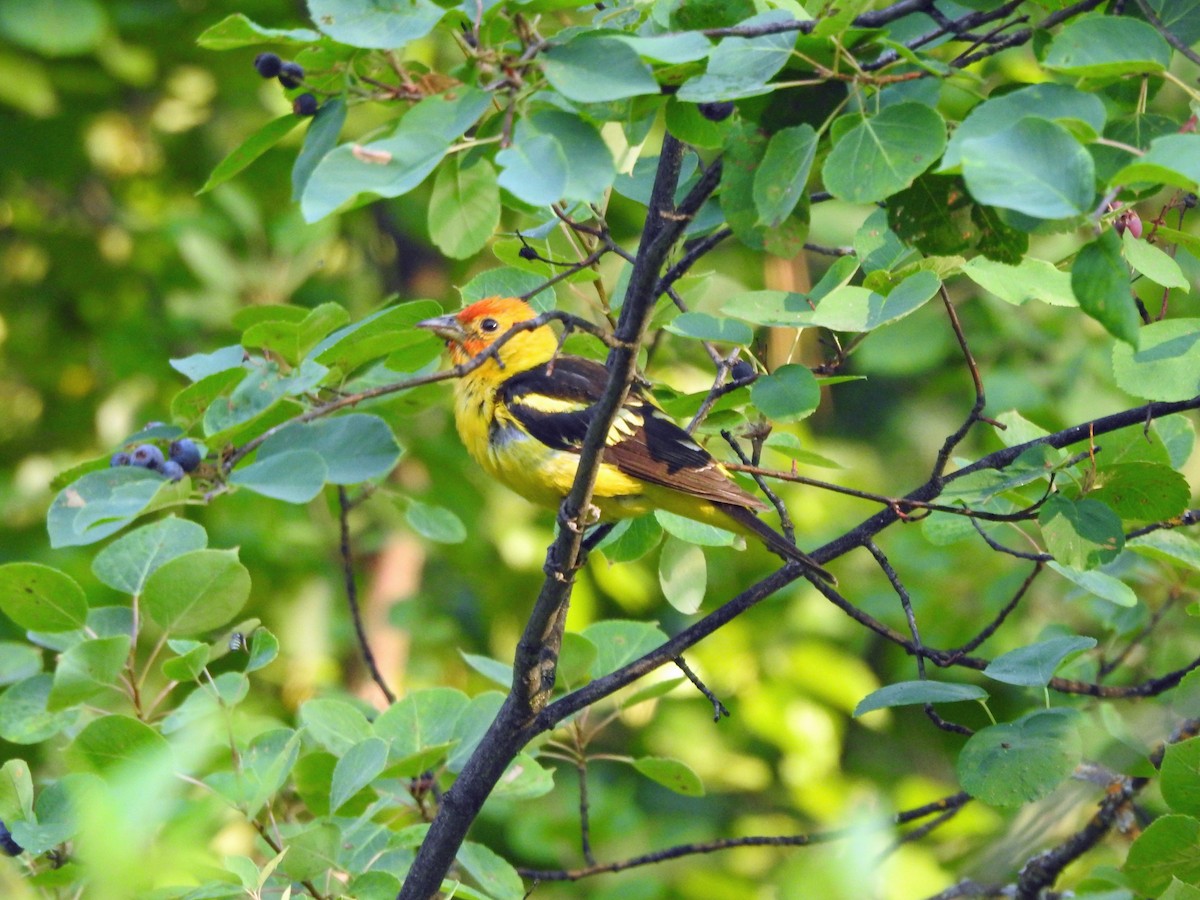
{"x":473,"y":329}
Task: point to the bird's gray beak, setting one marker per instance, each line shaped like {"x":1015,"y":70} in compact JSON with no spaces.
{"x":447,"y":327}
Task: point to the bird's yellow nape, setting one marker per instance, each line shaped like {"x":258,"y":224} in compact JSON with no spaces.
{"x":476,"y":327}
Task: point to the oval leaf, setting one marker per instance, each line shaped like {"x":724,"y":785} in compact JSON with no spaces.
{"x":196,"y":592}
{"x":41,"y":598}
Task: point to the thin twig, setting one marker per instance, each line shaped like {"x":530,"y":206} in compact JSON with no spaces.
{"x":352,"y":595}
{"x":719,"y":708}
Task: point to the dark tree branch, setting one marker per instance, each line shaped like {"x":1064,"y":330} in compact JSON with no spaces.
{"x":536,"y":658}
{"x":942,"y":807}
{"x":719,"y":708}
{"x":352,"y":594}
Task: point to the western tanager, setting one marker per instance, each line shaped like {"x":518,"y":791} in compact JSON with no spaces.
{"x":523,"y":416}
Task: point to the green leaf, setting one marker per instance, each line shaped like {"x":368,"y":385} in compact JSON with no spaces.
{"x":357,"y":768}
{"x":464,"y":209}
{"x":1173,"y":159}
{"x":41,"y":598}
{"x":780,"y":180}
{"x":710,"y":328}
{"x":1033,"y":166}
{"x":590,"y":166}
{"x":88,"y":669}
{"x":694,"y":532}
{"x":493,"y":669}
{"x":1031,"y":279}
{"x":24,"y":718}
{"x":1165,"y":364}
{"x":354,"y":448}
{"x":258,"y":392}
{"x":376,"y":336}
{"x":575,"y":660}
{"x":18,"y":661}
{"x":789,"y":393}
{"x":113,"y":742}
{"x":494,"y":875}
{"x":534,"y":170}
{"x":387,"y":168}
{"x":502,"y":282}
{"x":294,"y":476}
{"x":187,"y":666}
{"x":683,"y":574}
{"x":251,"y":149}
{"x":591,"y":69}
{"x":319,"y":140}
{"x":672,"y":774}
{"x":101,"y":503}
{"x":264,"y":647}
{"x":472,"y":725}
{"x":632,"y":539}
{"x":931,"y":215}
{"x":16,"y":791}
{"x":1169,"y":848}
{"x":421,"y":720}
{"x":1055,"y":102}
{"x":744,"y":148}
{"x":1022,"y":761}
{"x":1154,"y":263}
{"x":741,"y":66}
{"x":126,"y":563}
{"x":1141,"y":492}
{"x":238,"y":31}
{"x":1181,"y":777}
{"x":883,"y":154}
{"x":853,"y":308}
{"x":196,"y":592}
{"x":202,"y":365}
{"x":375,"y":24}
{"x":312,"y":852}
{"x":435,"y":523}
{"x":619,"y":641}
{"x":1098,"y":584}
{"x":1100,"y":282}
{"x":1106,"y":47}
{"x":1083,"y":533}
{"x":290,"y":339}
{"x":909,"y":693}
{"x":524,"y":780}
{"x":334,"y":724}
{"x":1170,"y":547}
{"x":1034,"y":665}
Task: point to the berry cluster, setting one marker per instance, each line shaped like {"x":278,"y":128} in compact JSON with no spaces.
{"x":183,"y":456}
{"x":290,"y":75}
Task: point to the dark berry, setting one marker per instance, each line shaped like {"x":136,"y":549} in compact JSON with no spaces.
{"x":527,"y":252}
{"x":291,"y":74}
{"x":716,"y":112}
{"x":741,"y":370}
{"x":147,"y":456}
{"x":305,"y":105}
{"x":7,"y":844}
{"x":185,"y":452}
{"x":120,"y":458}
{"x":268,"y":64}
{"x":172,"y":470}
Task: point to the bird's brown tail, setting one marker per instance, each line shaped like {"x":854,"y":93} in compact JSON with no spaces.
{"x":775,"y":541}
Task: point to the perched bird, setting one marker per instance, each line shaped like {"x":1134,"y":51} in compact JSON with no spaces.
{"x":523,"y":415}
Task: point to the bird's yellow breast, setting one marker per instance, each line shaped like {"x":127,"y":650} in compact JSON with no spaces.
{"x":540,"y":474}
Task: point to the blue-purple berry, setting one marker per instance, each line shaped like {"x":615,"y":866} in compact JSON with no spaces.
{"x":185,"y":452}
{"x":305,"y":105}
{"x":268,"y":64}
{"x":172,"y":470}
{"x":291,"y":74}
{"x":741,"y":370}
{"x":7,"y":844}
{"x":147,"y":456}
{"x":120,"y":458}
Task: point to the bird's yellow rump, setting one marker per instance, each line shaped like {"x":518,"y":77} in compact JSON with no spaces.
{"x":523,"y":415}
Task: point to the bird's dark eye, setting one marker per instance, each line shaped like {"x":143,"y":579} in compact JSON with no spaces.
{"x":489,"y":325}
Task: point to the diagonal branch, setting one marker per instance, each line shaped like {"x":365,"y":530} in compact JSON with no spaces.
{"x":536,"y":660}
